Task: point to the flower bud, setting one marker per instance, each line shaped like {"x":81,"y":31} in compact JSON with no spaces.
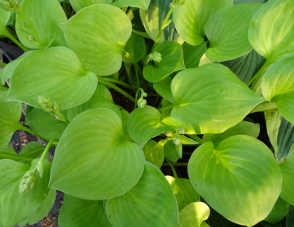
{"x":169,"y":134}
{"x":179,"y":2}
{"x":46,"y":103}
{"x":27,"y":182}
{"x":181,"y":131}
{"x":5,"y":4}
{"x":177,"y":141}
{"x":156,"y":57}
{"x":141,"y":103}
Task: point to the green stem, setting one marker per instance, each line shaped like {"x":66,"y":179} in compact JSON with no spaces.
{"x":62,"y":117}
{"x":175,"y":164}
{"x":118,"y":82}
{"x":117,"y":89}
{"x":166,"y":107}
{"x":3,"y":88}
{"x":47,"y":149}
{"x":16,"y":157}
{"x":21,"y":127}
{"x":197,"y":138}
{"x":171,"y":8}
{"x":3,"y":64}
{"x":172,"y":168}
{"x":259,"y":72}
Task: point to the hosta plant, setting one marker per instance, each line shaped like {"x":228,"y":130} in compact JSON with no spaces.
{"x":188,"y":151}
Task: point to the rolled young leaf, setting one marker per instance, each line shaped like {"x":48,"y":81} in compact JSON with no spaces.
{"x":108,"y":163}
{"x":240,"y":178}
{"x":55,"y":72}
{"x":94,"y":36}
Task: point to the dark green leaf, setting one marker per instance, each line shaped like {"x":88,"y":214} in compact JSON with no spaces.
{"x":193,"y":54}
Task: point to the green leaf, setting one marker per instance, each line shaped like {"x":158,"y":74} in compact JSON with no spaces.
{"x":142,"y":205}
{"x":194,"y":214}
{"x":193,"y":54}
{"x":171,"y":152}
{"x":42,"y":210}
{"x":9,"y":149}
{"x":287,"y":168}
{"x":15,"y":207}
{"x":37,"y":24}
{"x":9,"y":119}
{"x":4,"y":18}
{"x":244,"y":1}
{"x":273,"y":40}
{"x":94,"y":140}
{"x":32,"y":149}
{"x":228,"y":29}
{"x":144,"y":124}
{"x":56,"y":73}
{"x":242,"y":128}
{"x":246,"y":66}
{"x":93,"y":35}
{"x":204,"y":98}
{"x":278,"y":212}
{"x":191,"y":18}
{"x":172,"y":61}
{"x":80,"y":4}
{"x":277,"y":86}
{"x":154,"y":152}
{"x":183,"y":191}
{"x":143,"y":4}
{"x":76,"y":212}
{"x":163,"y":88}
{"x":290,"y":218}
{"x":240,"y":178}
{"x":45,"y":124}
{"x":157,"y":10}
{"x":136,"y":48}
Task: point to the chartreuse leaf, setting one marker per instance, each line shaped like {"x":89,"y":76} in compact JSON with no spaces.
{"x":277,"y":86}
{"x":183,"y":190}
{"x":15,"y":207}
{"x":37,"y":24}
{"x":76,"y":212}
{"x":242,"y":128}
{"x":154,"y":152}
{"x":9,"y":149}
{"x":193,"y":54}
{"x":204,"y":97}
{"x":32,"y":149}
{"x":45,"y":124}
{"x":149,"y":203}
{"x":56,"y":73}
{"x":240,"y":178}
{"x":135,"y":48}
{"x":278,"y":212}
{"x":172,"y":60}
{"x":163,"y":88}
{"x":228,"y":29}
{"x":273,"y":40}
{"x":246,"y":66}
{"x":4,"y":18}
{"x":244,"y":1}
{"x":9,"y":119}
{"x":42,"y":210}
{"x":79,"y":4}
{"x":171,"y":152}
{"x":190,"y":18}
{"x":143,"y":4}
{"x":93,"y":35}
{"x":194,"y":214}
{"x":287,"y":168}
{"x":95,"y":140}
{"x":144,"y":124}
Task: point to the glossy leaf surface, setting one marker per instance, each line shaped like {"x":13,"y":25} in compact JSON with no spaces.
{"x":142,"y":205}
{"x":56,"y":73}
{"x":93,"y":35}
{"x":37,"y":25}
{"x":143,"y":4}
{"x":79,"y":4}
{"x":194,"y":214}
{"x":95,"y":142}
{"x":191,"y":18}
{"x":226,"y":177}
{"x":227,"y":29}
{"x":204,"y":98}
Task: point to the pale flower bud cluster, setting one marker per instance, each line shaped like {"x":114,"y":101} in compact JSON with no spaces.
{"x":27,"y":181}
{"x":6,"y":5}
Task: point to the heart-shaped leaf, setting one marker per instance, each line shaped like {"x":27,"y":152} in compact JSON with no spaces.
{"x":154,"y":152}
{"x":15,"y":207}
{"x":277,"y":86}
{"x":228,"y":29}
{"x":79,"y":4}
{"x":194,"y":214}
{"x":143,"y":4}
{"x":273,"y":40}
{"x":37,"y":24}
{"x":172,"y":60}
{"x":9,"y":119}
{"x":108,"y":163}
{"x":54,"y":72}
{"x":144,"y":124}
{"x":93,"y":35}
{"x":142,"y":205}
{"x":191,"y":18}
{"x":183,"y":191}
{"x":204,"y":97}
{"x":76,"y":212}
{"x":240,"y":178}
